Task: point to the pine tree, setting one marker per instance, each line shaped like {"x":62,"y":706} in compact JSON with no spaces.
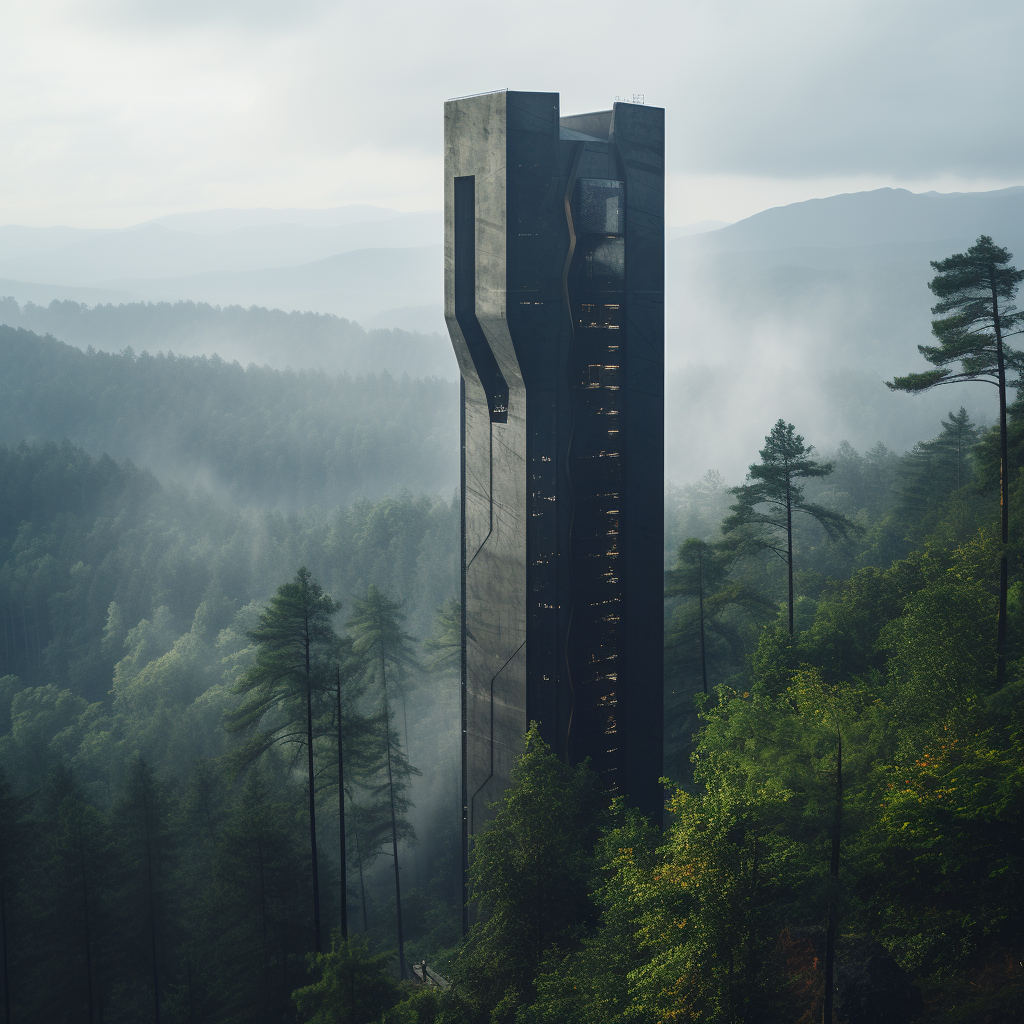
{"x":974,"y":314}
{"x":141,"y":828}
{"x":295,"y":645}
{"x":701,"y":573}
{"x":935,"y":468}
{"x":762,"y":516}
{"x":255,"y":888}
{"x":446,"y":646}
{"x":387,"y":651}
{"x":12,"y":868}
{"x":348,"y":755}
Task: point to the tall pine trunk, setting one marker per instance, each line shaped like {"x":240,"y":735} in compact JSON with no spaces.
{"x":703,"y":655}
{"x":789,"y":548}
{"x":1004,"y":494}
{"x":833,"y":890}
{"x":341,"y":820}
{"x":152,"y":903}
{"x":394,"y":821}
{"x":317,"y":945}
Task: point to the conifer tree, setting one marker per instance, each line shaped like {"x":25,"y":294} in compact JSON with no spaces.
{"x":762,"y":516}
{"x":349,"y":755}
{"x":387,"y":651}
{"x":295,"y":642}
{"x":12,"y":848}
{"x":701,"y":572}
{"x":974,"y":314}
{"x":141,"y":829}
{"x":446,"y":646}
{"x":935,"y":468}
{"x":256,"y":887}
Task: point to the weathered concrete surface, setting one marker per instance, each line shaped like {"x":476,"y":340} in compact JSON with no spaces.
{"x":562,"y":480}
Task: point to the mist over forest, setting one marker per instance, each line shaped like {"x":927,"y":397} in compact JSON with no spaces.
{"x":802,"y":311}
{"x":209,"y":416}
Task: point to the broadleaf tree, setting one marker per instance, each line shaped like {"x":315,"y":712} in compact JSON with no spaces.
{"x":974,"y":314}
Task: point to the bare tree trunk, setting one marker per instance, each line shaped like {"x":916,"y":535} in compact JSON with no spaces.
{"x":317,"y":943}
{"x":833,"y":891}
{"x":789,"y":548}
{"x":341,"y":819}
{"x":394,"y":821}
{"x":703,"y":655}
{"x":1004,"y":494}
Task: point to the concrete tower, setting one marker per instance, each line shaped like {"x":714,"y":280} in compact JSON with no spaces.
{"x":554,"y":287}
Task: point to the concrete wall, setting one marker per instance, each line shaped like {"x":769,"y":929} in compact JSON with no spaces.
{"x":518,"y":590}
{"x":494,"y":454}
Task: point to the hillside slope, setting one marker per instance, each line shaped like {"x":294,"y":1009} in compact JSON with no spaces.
{"x":286,"y":439}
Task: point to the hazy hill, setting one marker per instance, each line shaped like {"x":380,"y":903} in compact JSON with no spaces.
{"x":159,"y":251}
{"x":285,"y":439}
{"x":803,"y":311}
{"x":248,"y":335}
{"x":286,"y":258}
{"x":885,"y":216}
{"x":365,"y":285}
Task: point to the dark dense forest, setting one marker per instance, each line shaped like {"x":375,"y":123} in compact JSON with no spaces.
{"x":843,"y":760}
{"x":250,"y":435}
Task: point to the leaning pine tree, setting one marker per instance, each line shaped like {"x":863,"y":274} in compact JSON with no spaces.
{"x":294,"y":641}
{"x":762,"y":517}
{"x":975,"y":313}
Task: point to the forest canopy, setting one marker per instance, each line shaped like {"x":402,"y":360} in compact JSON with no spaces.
{"x":250,"y":435}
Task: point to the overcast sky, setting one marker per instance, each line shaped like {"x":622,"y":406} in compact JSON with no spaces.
{"x":116,"y":111}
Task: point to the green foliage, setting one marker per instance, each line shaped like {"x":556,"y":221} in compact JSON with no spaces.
{"x":445,"y":646}
{"x":969,"y":287}
{"x":261,"y":335}
{"x":762,"y":516}
{"x":256,"y":436}
{"x":713,"y":619}
{"x":355,"y":985}
{"x":295,"y":643}
{"x":531,"y":873}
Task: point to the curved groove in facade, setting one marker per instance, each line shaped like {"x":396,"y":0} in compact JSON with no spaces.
{"x":562,"y":558}
{"x":491,"y":378}
{"x":472,"y":801}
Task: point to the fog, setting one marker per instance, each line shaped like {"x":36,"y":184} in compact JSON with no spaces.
{"x":801,"y":312}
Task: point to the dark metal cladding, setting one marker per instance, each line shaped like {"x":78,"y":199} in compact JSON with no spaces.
{"x":554,"y":284}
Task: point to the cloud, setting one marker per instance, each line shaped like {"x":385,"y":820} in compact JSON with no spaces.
{"x":113,"y":110}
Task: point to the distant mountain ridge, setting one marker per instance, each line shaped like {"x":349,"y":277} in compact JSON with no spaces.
{"x":764,"y":318}
{"x":300,"y":341}
{"x":156,"y":250}
{"x":885,"y":216}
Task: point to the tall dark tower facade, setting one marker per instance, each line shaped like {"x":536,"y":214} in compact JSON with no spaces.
{"x":554,"y":288}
